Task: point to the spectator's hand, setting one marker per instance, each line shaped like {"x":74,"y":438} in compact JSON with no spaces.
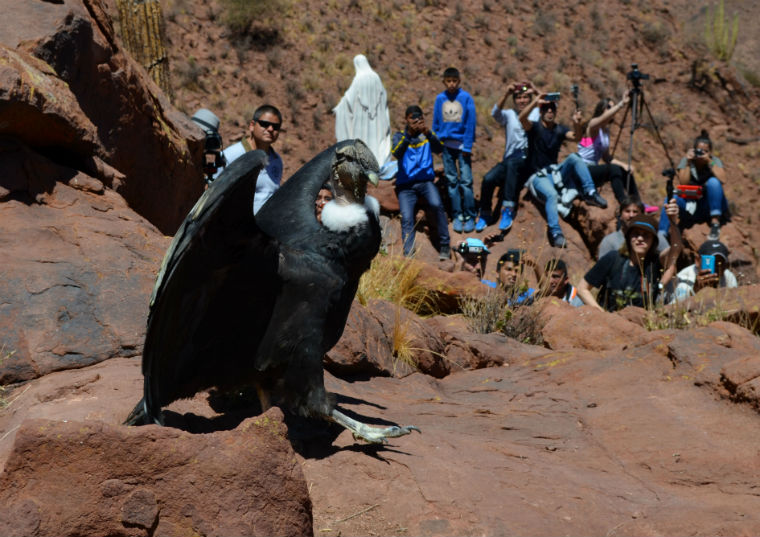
{"x":578,"y":116}
{"x":671,"y":209}
{"x":690,"y":154}
{"x":527,"y":259}
{"x":494,"y":237}
{"x":510,"y":89}
{"x":626,"y":98}
{"x":705,"y":278}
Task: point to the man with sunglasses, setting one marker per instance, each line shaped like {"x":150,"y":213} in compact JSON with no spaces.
{"x":263,"y":131}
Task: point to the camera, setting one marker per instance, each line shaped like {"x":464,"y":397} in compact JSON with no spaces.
{"x":552,"y":97}
{"x":466,"y":249}
{"x":213,"y":159}
{"x":700,"y":152}
{"x":636,"y":76}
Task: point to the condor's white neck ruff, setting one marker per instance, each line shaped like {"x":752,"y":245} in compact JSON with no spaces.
{"x":336,"y":217}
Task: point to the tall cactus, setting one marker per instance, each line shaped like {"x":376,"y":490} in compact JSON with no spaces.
{"x":720,"y":38}
{"x":142,"y":30}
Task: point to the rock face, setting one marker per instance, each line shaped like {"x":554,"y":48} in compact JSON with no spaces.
{"x":78,"y":268}
{"x":70,"y":93}
{"x":112,"y":480}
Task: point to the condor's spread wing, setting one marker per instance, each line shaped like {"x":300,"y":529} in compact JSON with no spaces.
{"x":218,"y":252}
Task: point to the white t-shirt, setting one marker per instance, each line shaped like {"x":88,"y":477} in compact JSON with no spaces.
{"x":513,"y":129}
{"x":686,"y":279}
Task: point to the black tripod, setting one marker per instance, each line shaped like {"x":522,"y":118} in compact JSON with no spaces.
{"x":635,"y":105}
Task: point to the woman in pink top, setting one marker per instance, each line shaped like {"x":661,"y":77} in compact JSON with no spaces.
{"x":594,"y":148}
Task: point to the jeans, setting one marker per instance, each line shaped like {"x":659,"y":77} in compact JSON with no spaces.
{"x":712,"y":203}
{"x":459,"y":184}
{"x":601,"y":173}
{"x":575,"y":174}
{"x":408,"y":195}
{"x":510,"y":173}
{"x":545,"y":191}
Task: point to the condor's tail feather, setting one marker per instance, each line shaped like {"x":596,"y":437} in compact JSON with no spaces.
{"x":141,"y":416}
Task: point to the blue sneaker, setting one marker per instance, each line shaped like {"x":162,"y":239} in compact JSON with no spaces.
{"x":506,"y":218}
{"x":469,"y":225}
{"x":457,"y":225}
{"x":480,"y":224}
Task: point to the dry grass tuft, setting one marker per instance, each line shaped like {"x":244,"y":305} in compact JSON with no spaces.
{"x":394,"y":279}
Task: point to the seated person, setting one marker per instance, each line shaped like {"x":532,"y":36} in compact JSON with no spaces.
{"x":509,"y":173}
{"x":510,"y":269}
{"x":473,"y":255}
{"x":594,"y":148}
{"x":630,"y":207}
{"x":632,"y":275}
{"x":414,"y":148}
{"x":545,"y":138}
{"x":559,"y":283}
{"x":324,"y":195}
{"x":691,"y":279}
{"x":700,"y":168}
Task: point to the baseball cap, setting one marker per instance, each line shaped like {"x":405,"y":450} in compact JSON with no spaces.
{"x":642,"y":221}
{"x":472,"y":246}
{"x":514,"y":255}
{"x":206,"y":120}
{"x":714,"y":248}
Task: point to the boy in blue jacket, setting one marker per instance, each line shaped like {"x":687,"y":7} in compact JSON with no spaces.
{"x":414,"y":150}
{"x":454,"y":120}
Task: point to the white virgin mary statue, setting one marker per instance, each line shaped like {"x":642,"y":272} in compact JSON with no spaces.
{"x":363,"y":113}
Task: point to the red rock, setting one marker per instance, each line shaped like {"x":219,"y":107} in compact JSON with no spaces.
{"x":86,"y":98}
{"x":78,"y":270}
{"x":114,"y":480}
{"x":567,"y":327}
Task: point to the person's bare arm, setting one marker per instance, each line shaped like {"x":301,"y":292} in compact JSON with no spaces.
{"x":524,"y":121}
{"x":669,"y":267}
{"x":584,"y":291}
{"x":600,"y":121}
{"x":576,"y":133}
{"x":719,"y":172}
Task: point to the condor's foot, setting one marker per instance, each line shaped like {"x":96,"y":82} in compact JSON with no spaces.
{"x":373,"y":435}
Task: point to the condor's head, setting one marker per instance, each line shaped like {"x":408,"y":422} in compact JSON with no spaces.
{"x":352,"y":167}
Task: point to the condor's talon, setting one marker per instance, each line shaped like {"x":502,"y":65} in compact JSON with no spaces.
{"x":373,"y":435}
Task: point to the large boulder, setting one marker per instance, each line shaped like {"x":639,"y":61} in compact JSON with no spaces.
{"x":92,"y":478}
{"x":78,"y":268}
{"x":87,"y":99}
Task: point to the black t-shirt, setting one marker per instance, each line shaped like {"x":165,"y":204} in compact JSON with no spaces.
{"x":620,"y":283}
{"x":544,"y":145}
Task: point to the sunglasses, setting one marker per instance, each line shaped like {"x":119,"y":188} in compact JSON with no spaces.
{"x":266,"y":124}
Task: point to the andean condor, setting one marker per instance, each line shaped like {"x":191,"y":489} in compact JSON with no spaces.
{"x":257,"y":301}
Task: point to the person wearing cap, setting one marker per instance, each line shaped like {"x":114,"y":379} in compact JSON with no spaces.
{"x":633,"y":275}
{"x":545,"y":138}
{"x":263,"y":131}
{"x":558,"y":283}
{"x":473,"y":254}
{"x":511,"y":277}
{"x":630,"y":207}
{"x":414,"y":148}
{"x":509,"y":174}
{"x":692,"y":279}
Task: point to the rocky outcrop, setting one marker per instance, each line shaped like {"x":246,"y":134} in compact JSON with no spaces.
{"x":71,"y":94}
{"x":78,"y":268}
{"x":112,"y":480}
